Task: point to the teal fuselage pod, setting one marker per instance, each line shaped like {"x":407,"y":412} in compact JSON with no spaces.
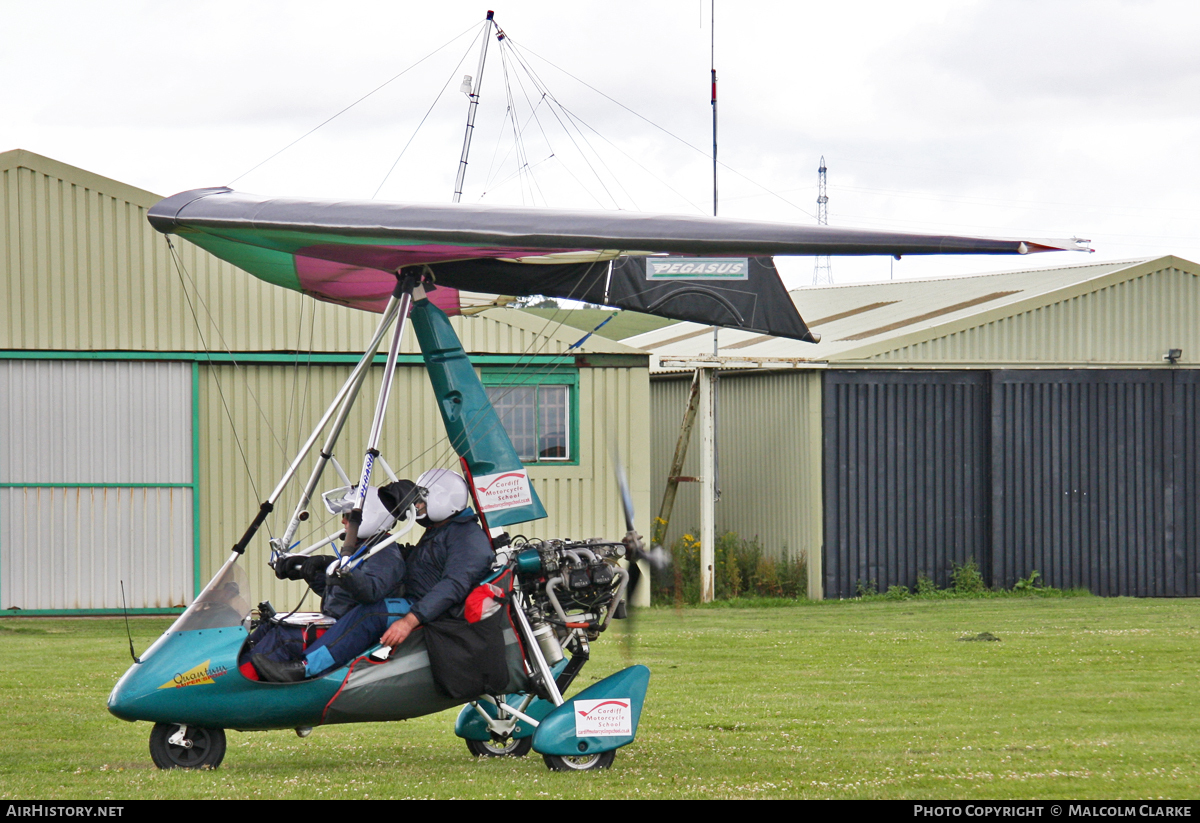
{"x":192,"y":677}
{"x":502,"y":484}
{"x":602,"y":717}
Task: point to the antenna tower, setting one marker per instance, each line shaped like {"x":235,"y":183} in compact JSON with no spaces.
{"x":822,"y":274}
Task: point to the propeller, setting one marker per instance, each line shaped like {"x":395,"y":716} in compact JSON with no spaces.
{"x":635,"y":548}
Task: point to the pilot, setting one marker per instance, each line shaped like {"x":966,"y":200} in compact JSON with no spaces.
{"x":452,"y":557}
{"x":379,"y":577}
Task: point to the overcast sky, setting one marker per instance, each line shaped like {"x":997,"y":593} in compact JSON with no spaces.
{"x":1054,"y":118}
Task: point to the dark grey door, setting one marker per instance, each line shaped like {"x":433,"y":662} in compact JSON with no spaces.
{"x":1095,"y":480}
{"x":906,"y":477}
{"x":1090,"y":477}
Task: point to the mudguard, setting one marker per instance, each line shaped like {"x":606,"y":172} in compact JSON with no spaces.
{"x":602,"y":717}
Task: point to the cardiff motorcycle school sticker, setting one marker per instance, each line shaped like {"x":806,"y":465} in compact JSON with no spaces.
{"x":612,"y":717}
{"x":505,"y":490}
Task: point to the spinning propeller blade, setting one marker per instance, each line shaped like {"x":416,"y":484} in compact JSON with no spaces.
{"x":633,"y":550}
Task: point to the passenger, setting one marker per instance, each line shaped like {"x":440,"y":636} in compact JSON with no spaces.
{"x":452,"y":557}
{"x":378,"y":578}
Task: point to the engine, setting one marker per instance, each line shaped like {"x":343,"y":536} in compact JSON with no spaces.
{"x":570,"y":591}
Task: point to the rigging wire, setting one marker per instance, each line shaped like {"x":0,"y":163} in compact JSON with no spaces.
{"x":532,"y":166}
{"x":352,"y":105}
{"x":674,"y":136}
{"x":492,"y":171}
{"x":490,"y":177}
{"x":180,"y":270}
{"x":232,"y":357}
{"x":545,"y":90}
{"x":437,"y":97}
{"x":524,"y":169}
{"x":570,"y":136}
{"x":299,"y":404}
{"x":518,"y":144}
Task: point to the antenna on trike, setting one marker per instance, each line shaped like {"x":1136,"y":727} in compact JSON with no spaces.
{"x":128,"y":633}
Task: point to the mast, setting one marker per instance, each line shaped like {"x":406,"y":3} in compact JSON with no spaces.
{"x":712,"y":67}
{"x":710,"y":491}
{"x":473,"y":93}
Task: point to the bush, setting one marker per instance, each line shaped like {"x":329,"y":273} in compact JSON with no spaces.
{"x":967,"y":579}
{"x":741,"y":569}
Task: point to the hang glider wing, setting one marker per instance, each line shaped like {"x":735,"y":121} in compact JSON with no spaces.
{"x":347,"y":252}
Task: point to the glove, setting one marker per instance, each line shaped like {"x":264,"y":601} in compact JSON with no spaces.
{"x":299,"y":567}
{"x":290,"y":567}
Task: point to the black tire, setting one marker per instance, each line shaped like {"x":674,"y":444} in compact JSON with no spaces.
{"x":579,"y":763}
{"x":207,"y":748}
{"x":509,"y":747}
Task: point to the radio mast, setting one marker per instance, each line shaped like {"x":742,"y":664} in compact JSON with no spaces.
{"x":822,"y":274}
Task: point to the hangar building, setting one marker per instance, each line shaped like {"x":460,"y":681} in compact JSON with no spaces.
{"x":146,"y":409}
{"x":1041,"y":420}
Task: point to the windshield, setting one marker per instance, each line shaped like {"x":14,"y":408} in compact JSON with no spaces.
{"x":222,"y":603}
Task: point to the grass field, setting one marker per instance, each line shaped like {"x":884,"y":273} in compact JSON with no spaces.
{"x":1080,"y":698}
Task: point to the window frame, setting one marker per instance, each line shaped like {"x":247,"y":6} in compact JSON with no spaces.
{"x":494,"y":377}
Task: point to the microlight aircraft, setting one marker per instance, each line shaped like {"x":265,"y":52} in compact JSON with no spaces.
{"x":408,"y":262}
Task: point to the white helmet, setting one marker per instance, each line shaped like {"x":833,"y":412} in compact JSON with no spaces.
{"x":446,"y":494}
{"x":375,"y":518}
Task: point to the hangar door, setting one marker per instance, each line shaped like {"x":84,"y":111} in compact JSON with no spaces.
{"x":1096,"y":478}
{"x":96,"y":484}
{"x":1088,"y":476}
{"x":905,"y":477}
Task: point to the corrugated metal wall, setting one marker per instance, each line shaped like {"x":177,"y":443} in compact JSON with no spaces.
{"x":769,"y":456}
{"x":71,"y":548}
{"x":95,"y":484}
{"x":906,"y":485}
{"x":81,"y":269}
{"x":71,"y":421}
{"x":1095,"y":480}
{"x":1087,"y":476}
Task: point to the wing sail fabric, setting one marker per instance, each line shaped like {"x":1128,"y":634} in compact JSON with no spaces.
{"x":348,"y":251}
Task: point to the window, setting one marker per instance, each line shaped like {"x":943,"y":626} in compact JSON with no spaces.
{"x":538,"y":412}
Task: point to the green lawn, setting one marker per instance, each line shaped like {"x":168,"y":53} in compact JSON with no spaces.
{"x":1081,"y":698}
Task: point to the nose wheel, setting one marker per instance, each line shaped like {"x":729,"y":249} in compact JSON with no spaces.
{"x":579,"y":763}
{"x":175,"y":746}
{"x":509,"y":747}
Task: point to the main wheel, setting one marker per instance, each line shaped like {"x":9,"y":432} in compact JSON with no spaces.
{"x":579,"y":763}
{"x":201,"y":748}
{"x":509,"y":747}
